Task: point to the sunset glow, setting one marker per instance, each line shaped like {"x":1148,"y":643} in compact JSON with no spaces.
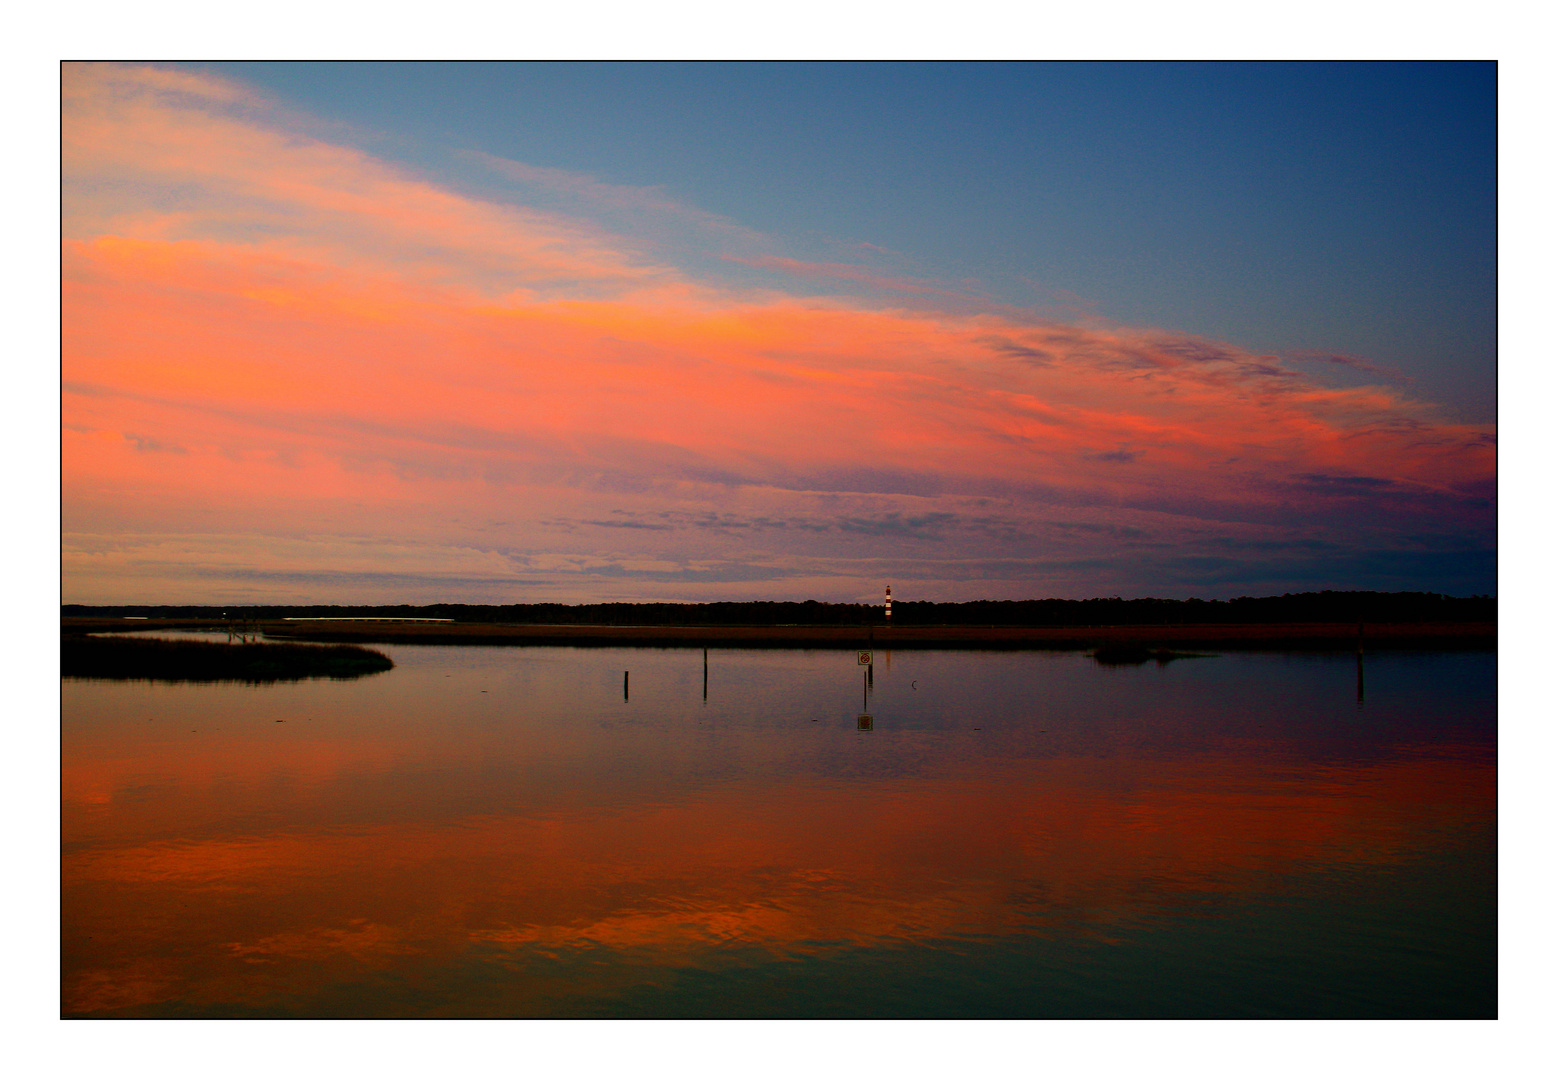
{"x":296,"y":372}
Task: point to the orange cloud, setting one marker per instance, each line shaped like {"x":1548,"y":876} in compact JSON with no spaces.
{"x":265,"y":328}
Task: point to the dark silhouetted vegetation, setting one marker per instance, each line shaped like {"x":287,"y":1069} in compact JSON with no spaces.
{"x":206,"y":661}
{"x":1313,"y":607}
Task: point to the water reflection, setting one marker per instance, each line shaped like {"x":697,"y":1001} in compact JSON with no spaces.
{"x":1024,"y":835}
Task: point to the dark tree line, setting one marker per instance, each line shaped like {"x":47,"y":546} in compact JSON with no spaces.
{"x":1321,"y":607}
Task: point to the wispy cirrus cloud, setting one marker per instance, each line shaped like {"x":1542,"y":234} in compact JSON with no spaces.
{"x":1356,"y":363}
{"x":170,"y":156}
{"x":651,"y":210}
{"x":849,"y":272}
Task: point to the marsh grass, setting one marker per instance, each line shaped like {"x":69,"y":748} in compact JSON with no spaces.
{"x":206,"y":661}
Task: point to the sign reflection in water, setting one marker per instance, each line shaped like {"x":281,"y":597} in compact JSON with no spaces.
{"x":498,"y":832}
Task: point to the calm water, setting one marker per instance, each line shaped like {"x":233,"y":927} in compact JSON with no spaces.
{"x":496,"y":832}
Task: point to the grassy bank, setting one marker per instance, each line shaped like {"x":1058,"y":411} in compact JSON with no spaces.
{"x":204,"y":661}
{"x":1315,"y":607}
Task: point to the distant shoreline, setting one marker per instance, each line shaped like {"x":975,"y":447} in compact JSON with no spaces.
{"x":1311,"y":636}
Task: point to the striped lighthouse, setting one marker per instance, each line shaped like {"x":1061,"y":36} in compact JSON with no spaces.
{"x":887,"y":604}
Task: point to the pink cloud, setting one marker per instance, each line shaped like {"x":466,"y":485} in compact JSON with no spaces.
{"x":339,"y":348}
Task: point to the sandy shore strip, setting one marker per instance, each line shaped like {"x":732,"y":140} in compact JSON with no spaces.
{"x":1249,"y":636}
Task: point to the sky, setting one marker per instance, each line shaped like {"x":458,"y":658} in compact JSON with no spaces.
{"x":385,"y":333}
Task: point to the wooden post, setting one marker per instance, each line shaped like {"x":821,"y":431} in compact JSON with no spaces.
{"x":624,"y":686}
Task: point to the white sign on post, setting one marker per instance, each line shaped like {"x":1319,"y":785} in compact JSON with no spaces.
{"x":865,"y":657}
